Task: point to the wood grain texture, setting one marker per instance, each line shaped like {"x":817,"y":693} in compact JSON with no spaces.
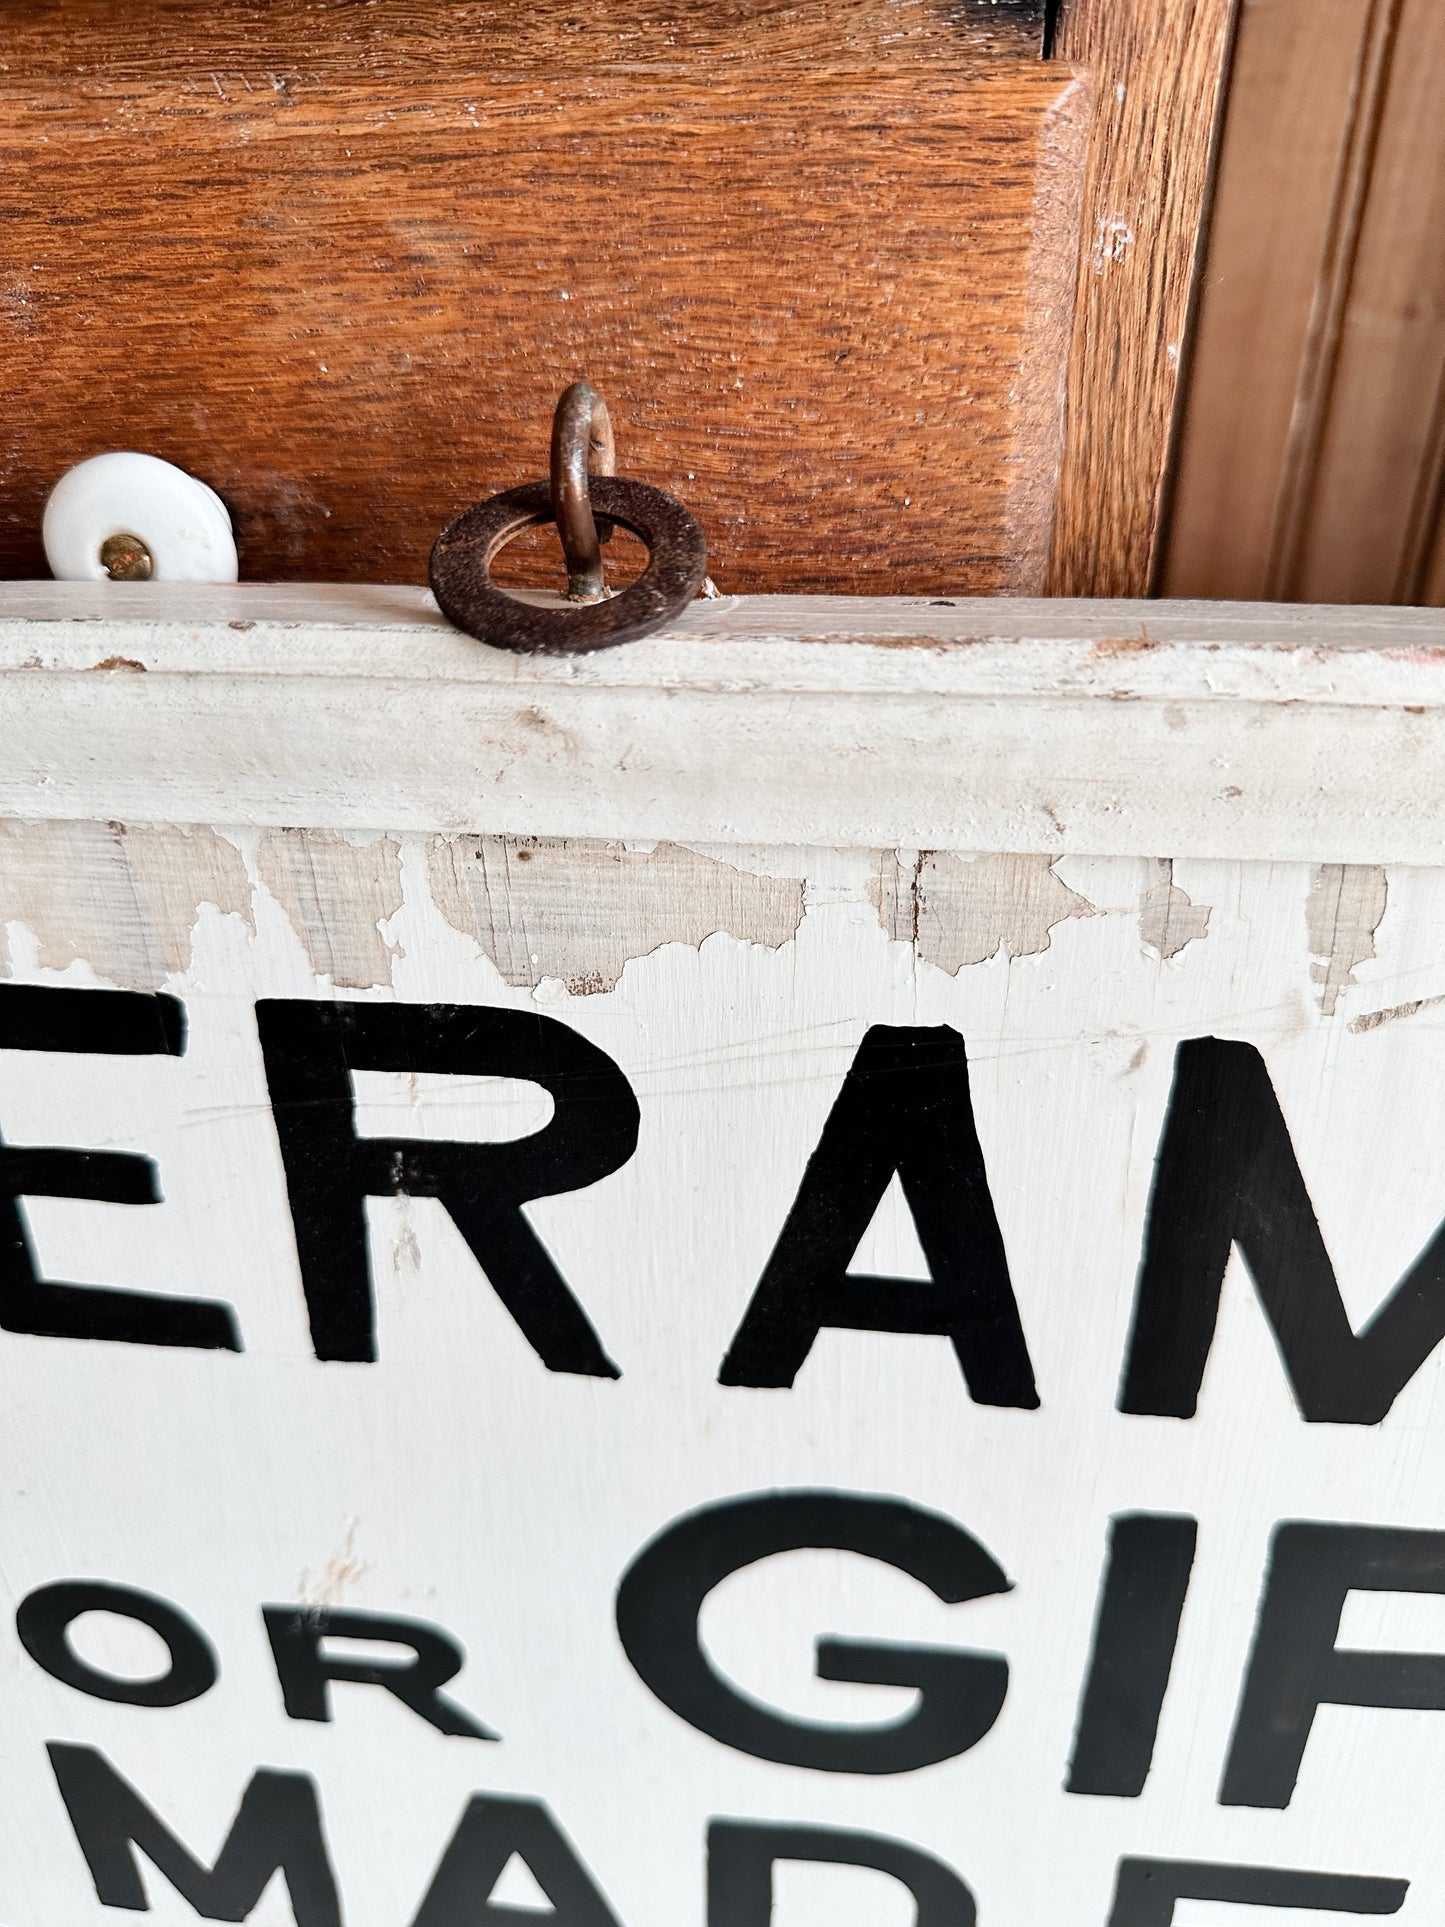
{"x":1158,"y":67}
{"x":1314,"y":438}
{"x":190,"y":45}
{"x":827,"y":298}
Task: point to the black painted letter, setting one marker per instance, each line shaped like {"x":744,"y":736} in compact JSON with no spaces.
{"x":44,"y":1619}
{"x":1147,"y":1890}
{"x":102,"y":1023}
{"x":296,"y":1633}
{"x":741,"y":1855}
{"x":905,"y":1108}
{"x":663,"y":1591}
{"x":277,"y":1829}
{"x":1296,"y":1667}
{"x":1151,"y":1556}
{"x":310,"y":1051}
{"x":490,"y":1831}
{"x":1226,"y":1175}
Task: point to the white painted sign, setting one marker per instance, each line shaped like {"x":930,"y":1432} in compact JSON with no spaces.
{"x":650,"y":1383}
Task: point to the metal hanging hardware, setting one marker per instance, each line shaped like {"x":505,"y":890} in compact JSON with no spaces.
{"x":584,"y":497}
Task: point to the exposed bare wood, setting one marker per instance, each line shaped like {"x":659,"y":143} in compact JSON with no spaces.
{"x":1157,"y":67}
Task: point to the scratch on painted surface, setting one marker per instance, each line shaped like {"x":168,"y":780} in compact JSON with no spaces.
{"x":335,"y":893}
{"x":1169,"y":919}
{"x":124,"y":899}
{"x":580,"y":911}
{"x":337,"y":1576}
{"x":961,"y":910}
{"x":1344,"y":909}
{"x":1373,"y":1019}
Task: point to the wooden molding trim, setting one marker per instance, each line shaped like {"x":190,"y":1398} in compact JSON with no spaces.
{"x":1103,"y":728}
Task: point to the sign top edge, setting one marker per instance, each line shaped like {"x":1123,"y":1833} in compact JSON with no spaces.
{"x":988,"y":647}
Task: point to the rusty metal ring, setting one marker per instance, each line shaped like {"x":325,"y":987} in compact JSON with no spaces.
{"x":466,"y":548}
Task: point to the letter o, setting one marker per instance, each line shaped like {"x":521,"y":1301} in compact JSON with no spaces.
{"x":44,"y":1619}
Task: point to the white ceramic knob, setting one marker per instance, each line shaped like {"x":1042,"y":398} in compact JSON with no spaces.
{"x":177,"y":528}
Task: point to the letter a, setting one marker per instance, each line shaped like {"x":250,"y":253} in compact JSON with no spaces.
{"x":905,"y":1108}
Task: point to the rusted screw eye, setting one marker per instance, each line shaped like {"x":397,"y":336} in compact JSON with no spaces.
{"x":585,"y":497}
{"x":582,"y":446}
{"x":125,"y":558}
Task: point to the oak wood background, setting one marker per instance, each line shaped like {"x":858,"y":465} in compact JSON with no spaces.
{"x":1158,"y":69}
{"x":339,"y":260}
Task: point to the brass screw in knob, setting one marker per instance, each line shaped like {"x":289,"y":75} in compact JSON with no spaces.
{"x":125,"y":558}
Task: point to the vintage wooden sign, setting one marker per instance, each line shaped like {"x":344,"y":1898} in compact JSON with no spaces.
{"x":790,"y":1276}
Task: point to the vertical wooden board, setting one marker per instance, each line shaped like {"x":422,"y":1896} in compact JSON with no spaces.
{"x":828,"y":306}
{"x":1314,"y":436}
{"x":1286,"y":139}
{"x":1158,"y":68}
{"x":1433,"y":594}
{"x":1375,"y":488}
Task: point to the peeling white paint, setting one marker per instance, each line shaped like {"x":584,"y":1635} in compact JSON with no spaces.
{"x":1114,"y":242}
{"x":1345,"y":908}
{"x":125,"y":900}
{"x":961,"y":910}
{"x":1169,"y":919}
{"x":580,"y":912}
{"x":336,"y":892}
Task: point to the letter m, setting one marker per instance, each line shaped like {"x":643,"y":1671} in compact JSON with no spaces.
{"x":277,"y":1829}
{"x":1226,"y":1175}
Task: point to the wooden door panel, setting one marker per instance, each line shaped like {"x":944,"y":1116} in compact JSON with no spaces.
{"x":828,"y":302}
{"x":893,"y":301}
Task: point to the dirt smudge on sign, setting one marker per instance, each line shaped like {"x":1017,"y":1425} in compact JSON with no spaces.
{"x":1345,"y":908}
{"x":1169,"y":919}
{"x":961,"y":910}
{"x":336,"y":893}
{"x":123,"y":898}
{"x":580,"y":911}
